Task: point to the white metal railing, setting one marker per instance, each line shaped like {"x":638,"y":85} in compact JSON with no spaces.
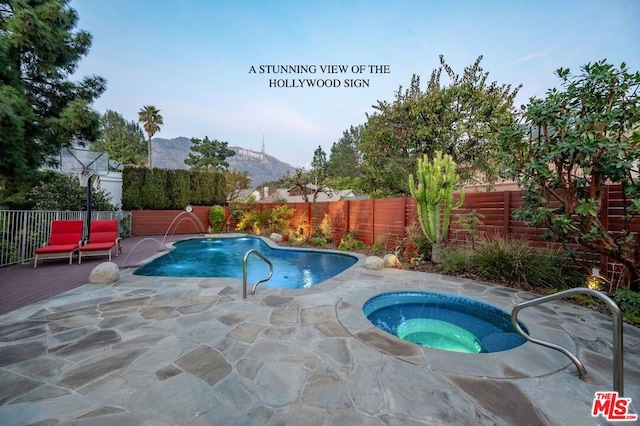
{"x":22,"y":231}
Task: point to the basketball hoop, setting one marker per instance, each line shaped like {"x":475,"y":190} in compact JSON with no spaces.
{"x":83,"y":174}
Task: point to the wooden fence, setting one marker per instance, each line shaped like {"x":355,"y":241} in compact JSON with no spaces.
{"x":376,"y":219}
{"x":369,"y":219}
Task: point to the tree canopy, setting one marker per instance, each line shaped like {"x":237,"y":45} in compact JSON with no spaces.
{"x":345,"y":162}
{"x":236,"y":181}
{"x":461,"y":119}
{"x":208,"y":154}
{"x":151,"y":120}
{"x":41,"y":109}
{"x":567,"y":149}
{"x":123,"y":140}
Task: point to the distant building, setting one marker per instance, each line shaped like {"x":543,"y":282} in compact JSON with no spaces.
{"x":270,"y":194}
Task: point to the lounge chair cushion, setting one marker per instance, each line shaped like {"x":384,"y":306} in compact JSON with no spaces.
{"x":58,"y":248}
{"x":64,"y":240}
{"x":65,"y":232}
{"x":97,"y":246}
{"x":103,"y":237}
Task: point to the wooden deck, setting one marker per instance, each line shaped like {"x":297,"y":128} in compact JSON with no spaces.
{"x":22,"y":285}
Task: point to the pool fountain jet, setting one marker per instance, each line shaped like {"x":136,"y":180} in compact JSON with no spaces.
{"x":188,"y":210}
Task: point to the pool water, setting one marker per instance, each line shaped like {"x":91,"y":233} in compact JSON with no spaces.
{"x":222,"y":257}
{"x":443,"y":321}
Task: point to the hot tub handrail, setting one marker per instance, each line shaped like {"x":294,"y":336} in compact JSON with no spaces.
{"x":244,"y":272}
{"x":618,"y":369}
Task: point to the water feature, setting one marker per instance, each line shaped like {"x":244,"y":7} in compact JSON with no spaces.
{"x":223,"y":257}
{"x":131,"y":250}
{"x":443,"y":321}
{"x":188,"y":210}
{"x":161,"y":243}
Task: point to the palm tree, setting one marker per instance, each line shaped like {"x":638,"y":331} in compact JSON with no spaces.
{"x":151,"y":119}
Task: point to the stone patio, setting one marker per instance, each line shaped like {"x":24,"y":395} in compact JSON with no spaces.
{"x":191,"y":351}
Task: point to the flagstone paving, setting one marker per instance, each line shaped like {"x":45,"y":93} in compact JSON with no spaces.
{"x":167,"y":351}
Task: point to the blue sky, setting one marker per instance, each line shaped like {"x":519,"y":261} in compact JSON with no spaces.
{"x":192,"y":58}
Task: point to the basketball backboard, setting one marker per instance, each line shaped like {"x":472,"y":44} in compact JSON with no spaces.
{"x":74,"y":159}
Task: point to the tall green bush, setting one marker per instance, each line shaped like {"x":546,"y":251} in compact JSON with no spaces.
{"x":132,"y":180}
{"x":154,"y":195}
{"x":216,"y":218}
{"x":144,"y":188}
{"x":178,"y":188}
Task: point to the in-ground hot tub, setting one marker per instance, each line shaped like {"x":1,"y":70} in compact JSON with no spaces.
{"x":443,"y":321}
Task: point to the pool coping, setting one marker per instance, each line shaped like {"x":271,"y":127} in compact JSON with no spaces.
{"x":525,"y":361}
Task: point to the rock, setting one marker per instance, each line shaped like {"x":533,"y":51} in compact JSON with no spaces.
{"x":105,"y":273}
{"x":391,"y":261}
{"x":276,"y":237}
{"x":373,"y":262}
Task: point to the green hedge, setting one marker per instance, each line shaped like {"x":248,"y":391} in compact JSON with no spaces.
{"x":161,"y":189}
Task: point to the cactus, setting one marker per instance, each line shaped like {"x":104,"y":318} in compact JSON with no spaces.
{"x":436,"y":183}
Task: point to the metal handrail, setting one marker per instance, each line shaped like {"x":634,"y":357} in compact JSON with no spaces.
{"x":244,"y":272}
{"x":618,"y":369}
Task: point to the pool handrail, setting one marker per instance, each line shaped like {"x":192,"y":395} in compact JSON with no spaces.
{"x":244,"y":272}
{"x":618,"y":368}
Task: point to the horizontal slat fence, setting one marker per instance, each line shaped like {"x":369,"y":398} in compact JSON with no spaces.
{"x":370,"y":219}
{"x":377,"y":220}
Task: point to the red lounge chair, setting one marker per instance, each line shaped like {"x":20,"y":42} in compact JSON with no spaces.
{"x":103,"y":238}
{"x":65,"y":238}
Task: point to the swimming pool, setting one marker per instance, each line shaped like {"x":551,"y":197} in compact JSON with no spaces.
{"x":222,"y":257}
{"x":443,"y":321}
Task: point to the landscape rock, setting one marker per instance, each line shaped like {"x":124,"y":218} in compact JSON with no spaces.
{"x":373,"y":262}
{"x":391,"y":261}
{"x":276,"y":237}
{"x":105,"y":273}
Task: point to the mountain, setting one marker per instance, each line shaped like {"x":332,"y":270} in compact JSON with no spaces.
{"x":262,"y":167}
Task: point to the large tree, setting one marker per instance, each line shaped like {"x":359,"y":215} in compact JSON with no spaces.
{"x":41,"y":109}
{"x":344,"y":164}
{"x":319,"y":165}
{"x":123,"y":140}
{"x":571,"y":145}
{"x":461,"y":118}
{"x":208,"y":154}
{"x":151,"y":120}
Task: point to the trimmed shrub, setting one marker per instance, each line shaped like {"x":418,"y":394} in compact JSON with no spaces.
{"x":159,"y":189}
{"x":216,"y":218}
{"x":179,"y":188}
{"x":132,"y":180}
{"x":154,"y":194}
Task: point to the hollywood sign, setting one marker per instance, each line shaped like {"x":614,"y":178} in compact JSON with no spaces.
{"x":251,"y":154}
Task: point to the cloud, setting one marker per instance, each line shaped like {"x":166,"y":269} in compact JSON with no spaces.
{"x":533,"y":55}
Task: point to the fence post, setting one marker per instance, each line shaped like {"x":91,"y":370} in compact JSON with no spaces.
{"x":506,"y":218}
{"x":373,"y":220}
{"x":604,"y":220}
{"x":347,"y":217}
{"x":23,"y":231}
{"x":404,"y":213}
